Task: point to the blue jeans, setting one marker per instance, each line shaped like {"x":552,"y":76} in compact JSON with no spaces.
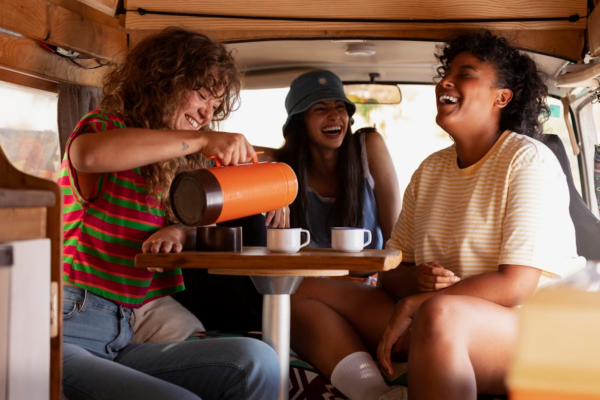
{"x":100,"y":362}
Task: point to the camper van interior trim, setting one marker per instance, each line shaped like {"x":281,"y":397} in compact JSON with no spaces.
{"x":360,"y":49}
{"x":567,"y":116}
{"x":571,"y":18}
{"x":587,"y":77}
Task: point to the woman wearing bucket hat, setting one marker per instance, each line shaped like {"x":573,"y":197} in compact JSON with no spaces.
{"x":344,"y":179}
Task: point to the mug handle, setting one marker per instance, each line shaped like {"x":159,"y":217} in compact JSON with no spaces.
{"x":307,"y":238}
{"x":370,"y":238}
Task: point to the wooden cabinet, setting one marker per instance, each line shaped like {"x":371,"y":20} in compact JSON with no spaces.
{"x":25,"y":304}
{"x":30,"y":286}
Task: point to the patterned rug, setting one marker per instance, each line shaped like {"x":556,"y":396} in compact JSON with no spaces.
{"x":306,"y":383}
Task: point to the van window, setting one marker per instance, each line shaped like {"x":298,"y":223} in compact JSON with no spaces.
{"x":408,"y":128}
{"x":29,"y":129}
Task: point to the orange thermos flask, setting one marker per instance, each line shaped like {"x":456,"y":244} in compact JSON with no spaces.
{"x":218,"y":194}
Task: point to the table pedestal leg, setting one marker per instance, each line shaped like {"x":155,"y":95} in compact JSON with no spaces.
{"x":276,"y":333}
{"x":276,"y":292}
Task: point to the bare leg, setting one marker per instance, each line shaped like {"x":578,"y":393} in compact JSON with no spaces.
{"x":460,"y":346}
{"x":332,"y":319}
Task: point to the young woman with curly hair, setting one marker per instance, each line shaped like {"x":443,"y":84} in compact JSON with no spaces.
{"x":484,"y":224}
{"x":154,"y":122}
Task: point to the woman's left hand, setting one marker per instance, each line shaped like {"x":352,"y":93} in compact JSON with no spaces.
{"x":165,"y":240}
{"x":394,"y":333}
{"x":279,"y":218}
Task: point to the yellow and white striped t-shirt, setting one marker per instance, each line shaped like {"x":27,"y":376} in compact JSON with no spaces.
{"x":511,"y":207}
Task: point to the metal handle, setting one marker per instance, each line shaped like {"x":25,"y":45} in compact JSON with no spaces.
{"x":254,"y":159}
{"x":6,"y":256}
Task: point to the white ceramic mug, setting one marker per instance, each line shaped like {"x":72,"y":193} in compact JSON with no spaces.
{"x":286,"y":240}
{"x":349,"y":240}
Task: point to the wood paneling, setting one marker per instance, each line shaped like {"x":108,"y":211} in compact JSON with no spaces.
{"x":22,"y":224}
{"x":380,"y":9}
{"x":27,"y":56}
{"x":43,"y":20}
{"x":11,"y":178}
{"x":594,"y":32}
{"x":149,"y":21}
{"x":28,"y":81}
{"x":26,"y":198}
{"x":87,"y":12}
{"x":565,"y":44}
{"x":108,"y":7}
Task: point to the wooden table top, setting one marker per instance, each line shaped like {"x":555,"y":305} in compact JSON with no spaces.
{"x":259,"y":258}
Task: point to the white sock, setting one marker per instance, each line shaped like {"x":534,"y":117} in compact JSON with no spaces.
{"x":358,"y":377}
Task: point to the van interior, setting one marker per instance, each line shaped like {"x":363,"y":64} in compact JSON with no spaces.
{"x":55,"y":53}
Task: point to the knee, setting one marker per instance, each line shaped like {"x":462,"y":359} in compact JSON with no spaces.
{"x":261,"y":369}
{"x":260,"y":356}
{"x":437,"y":319}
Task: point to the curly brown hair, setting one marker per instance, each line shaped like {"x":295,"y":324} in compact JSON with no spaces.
{"x":149,"y":87}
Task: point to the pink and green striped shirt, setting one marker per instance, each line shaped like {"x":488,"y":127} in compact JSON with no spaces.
{"x":105,"y":231}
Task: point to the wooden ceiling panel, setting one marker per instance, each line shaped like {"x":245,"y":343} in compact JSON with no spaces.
{"x":45,"y":21}
{"x":152,"y":21}
{"x":25,"y":55}
{"x":566,"y":44}
{"x":380,"y":9}
{"x":108,"y":7}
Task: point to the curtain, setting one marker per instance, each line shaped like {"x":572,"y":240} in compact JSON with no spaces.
{"x":74,"y":102}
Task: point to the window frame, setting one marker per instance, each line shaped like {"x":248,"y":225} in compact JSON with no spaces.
{"x":576,"y":108}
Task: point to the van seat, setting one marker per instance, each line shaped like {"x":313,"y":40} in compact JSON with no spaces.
{"x":587,"y":226}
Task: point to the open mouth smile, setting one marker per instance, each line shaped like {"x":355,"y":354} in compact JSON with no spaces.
{"x":446,"y":99}
{"x":195,"y":124}
{"x":331,"y":131}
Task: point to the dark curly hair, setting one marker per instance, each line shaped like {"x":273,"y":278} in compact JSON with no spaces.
{"x":149,"y":87}
{"x":527,"y":111}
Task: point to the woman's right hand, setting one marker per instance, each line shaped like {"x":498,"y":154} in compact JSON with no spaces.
{"x":229,"y":148}
{"x":432,"y":276}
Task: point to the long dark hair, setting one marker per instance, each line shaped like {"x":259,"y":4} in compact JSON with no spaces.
{"x":527,"y":111}
{"x":349,"y":198}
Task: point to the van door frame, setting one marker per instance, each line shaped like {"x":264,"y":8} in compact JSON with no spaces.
{"x":586,"y":165}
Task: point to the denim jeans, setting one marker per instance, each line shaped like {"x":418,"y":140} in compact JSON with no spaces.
{"x":100,"y":362}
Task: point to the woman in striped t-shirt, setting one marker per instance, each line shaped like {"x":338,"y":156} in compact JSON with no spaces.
{"x":484,"y":223}
{"x":118,"y":166}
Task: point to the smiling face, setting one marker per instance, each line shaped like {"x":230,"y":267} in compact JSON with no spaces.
{"x":467,"y":96}
{"x":327,"y":123}
{"x":196,"y":110}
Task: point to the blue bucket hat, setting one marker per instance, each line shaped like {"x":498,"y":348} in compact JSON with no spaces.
{"x":311,"y":88}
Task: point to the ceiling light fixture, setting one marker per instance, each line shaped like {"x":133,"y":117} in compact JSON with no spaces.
{"x":360,"y":49}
